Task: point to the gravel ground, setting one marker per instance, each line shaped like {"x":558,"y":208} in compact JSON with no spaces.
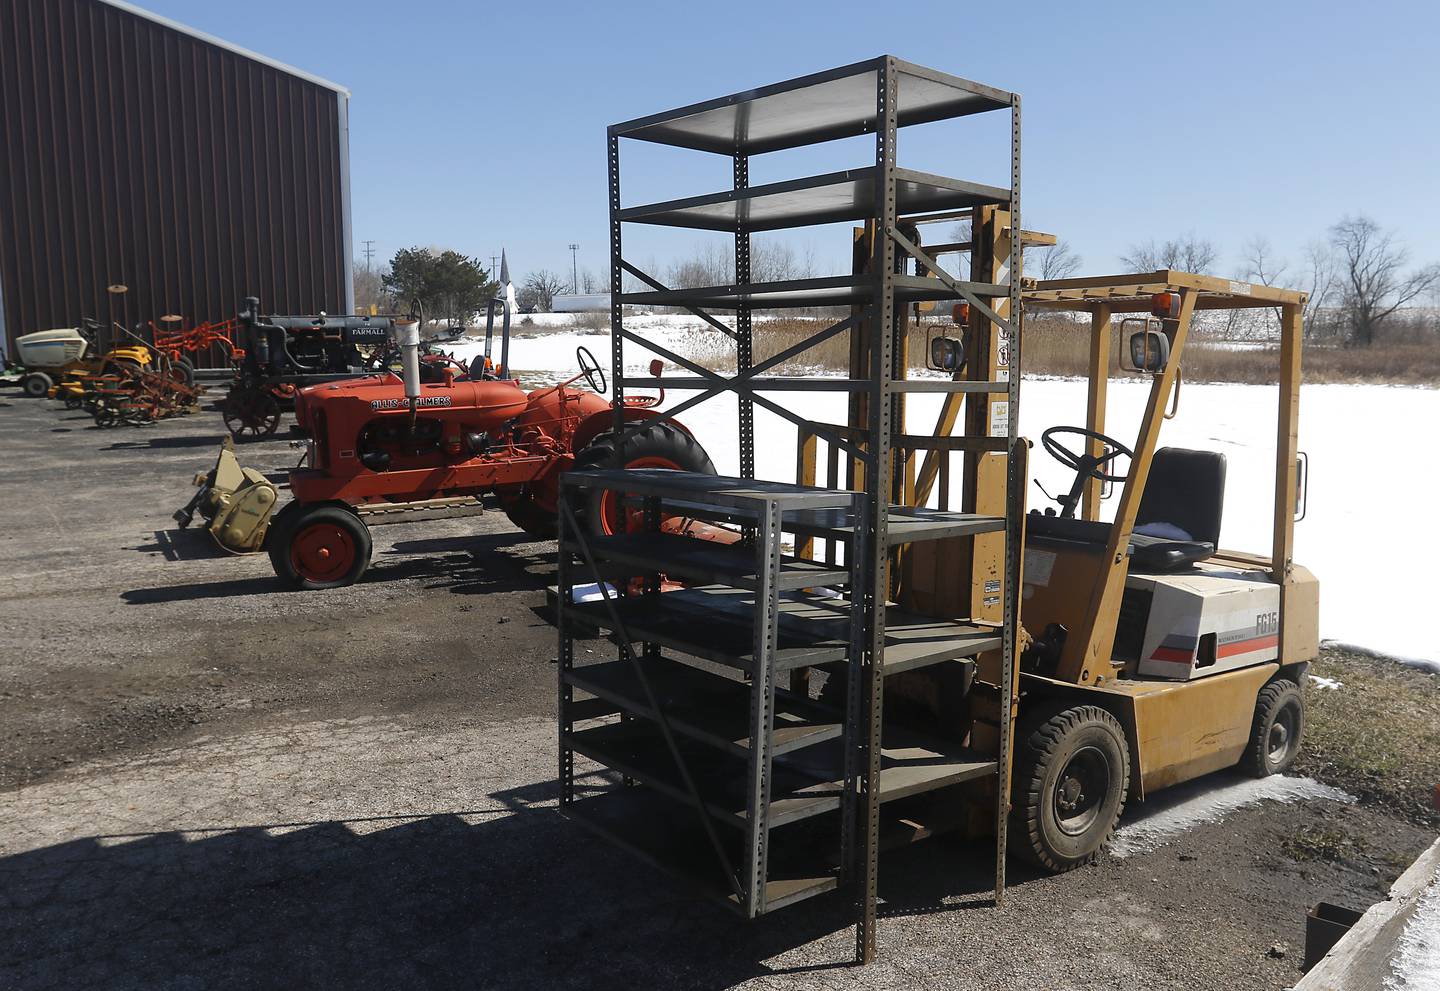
{"x":209,"y":783}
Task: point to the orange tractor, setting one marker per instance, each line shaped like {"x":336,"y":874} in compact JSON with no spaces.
{"x":437,"y":430}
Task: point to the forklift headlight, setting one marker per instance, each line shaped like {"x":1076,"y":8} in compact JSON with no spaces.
{"x":1149,"y":351}
{"x":946,"y":354}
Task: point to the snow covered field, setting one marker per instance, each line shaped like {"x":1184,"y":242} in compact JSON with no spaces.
{"x":1367,"y":469}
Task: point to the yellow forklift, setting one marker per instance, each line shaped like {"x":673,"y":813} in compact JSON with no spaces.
{"x":1151,"y":655}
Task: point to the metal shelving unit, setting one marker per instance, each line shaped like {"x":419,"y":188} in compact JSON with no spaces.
{"x":731,"y":597}
{"x":724,"y":740}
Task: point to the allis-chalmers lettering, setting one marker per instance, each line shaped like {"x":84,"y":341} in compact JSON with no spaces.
{"x":402,"y":403}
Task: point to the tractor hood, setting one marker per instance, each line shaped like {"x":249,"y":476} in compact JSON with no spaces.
{"x":479,"y":405}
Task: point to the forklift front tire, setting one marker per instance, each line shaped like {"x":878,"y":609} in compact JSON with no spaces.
{"x":315,"y":547}
{"x":1278,"y":730}
{"x":1071,"y":776}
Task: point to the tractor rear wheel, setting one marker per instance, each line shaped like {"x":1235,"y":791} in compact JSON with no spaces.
{"x":183,"y":372}
{"x":660,"y":445}
{"x":322,"y":546}
{"x":36,"y":385}
{"x":1277,"y":731}
{"x":1072,"y":772}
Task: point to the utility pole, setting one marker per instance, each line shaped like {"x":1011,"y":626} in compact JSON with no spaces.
{"x":369,"y":253}
{"x":574,"y":271}
{"x":493,"y":260}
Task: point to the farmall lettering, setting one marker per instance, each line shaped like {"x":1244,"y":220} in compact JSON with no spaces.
{"x":422,"y":403}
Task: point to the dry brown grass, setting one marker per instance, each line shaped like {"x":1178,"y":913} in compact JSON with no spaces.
{"x":1056,"y":347}
{"x":1378,"y":736}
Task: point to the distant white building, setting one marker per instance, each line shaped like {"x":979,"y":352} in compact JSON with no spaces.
{"x":596,"y":302}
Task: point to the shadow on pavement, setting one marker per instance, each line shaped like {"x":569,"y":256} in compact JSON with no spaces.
{"x":518,"y":898}
{"x":155,"y":443}
{"x":191,"y":544}
{"x":486,"y":565}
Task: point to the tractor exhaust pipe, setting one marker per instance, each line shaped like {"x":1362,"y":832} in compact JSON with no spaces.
{"x":407,"y":338}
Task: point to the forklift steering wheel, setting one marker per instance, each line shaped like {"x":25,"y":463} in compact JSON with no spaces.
{"x":590,"y":368}
{"x":1085,"y":463}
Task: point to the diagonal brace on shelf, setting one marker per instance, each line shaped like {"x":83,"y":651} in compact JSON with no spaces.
{"x":659,"y":286}
{"x":948,"y":280}
{"x":739,"y":384}
{"x":627,"y":648}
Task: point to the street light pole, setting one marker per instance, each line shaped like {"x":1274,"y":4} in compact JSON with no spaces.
{"x":574,"y":271}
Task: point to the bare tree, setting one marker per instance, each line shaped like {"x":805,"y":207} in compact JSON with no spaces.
{"x":591,"y":282}
{"x":1372,"y":285}
{"x":1054,"y":261}
{"x":370,"y":291}
{"x":1187,"y":253}
{"x":539,"y":290}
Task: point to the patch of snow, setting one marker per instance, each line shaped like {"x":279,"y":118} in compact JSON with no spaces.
{"x":1208,"y":800}
{"x":1419,"y":663}
{"x":1374,"y":587}
{"x":1330,"y":684}
{"x":1416,"y":964}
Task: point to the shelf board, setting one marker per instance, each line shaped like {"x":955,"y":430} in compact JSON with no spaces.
{"x":716,"y":624}
{"x":707,"y":561}
{"x":648,"y":826}
{"x":804,"y":783}
{"x":823,"y":199}
{"x":838,"y":290}
{"x":905,"y":524}
{"x":713,"y":490}
{"x":637,"y":749}
{"x":813,"y":629}
{"x":823,"y":106}
{"x":706,"y":707}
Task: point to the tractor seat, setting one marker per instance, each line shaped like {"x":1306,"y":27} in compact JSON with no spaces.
{"x":1178,"y":523}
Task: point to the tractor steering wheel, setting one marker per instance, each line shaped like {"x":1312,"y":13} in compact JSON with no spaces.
{"x":590,"y":368}
{"x":1086,"y":464}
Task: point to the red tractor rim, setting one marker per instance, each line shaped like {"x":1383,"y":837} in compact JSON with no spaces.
{"x":322,"y":552}
{"x":610,"y":501}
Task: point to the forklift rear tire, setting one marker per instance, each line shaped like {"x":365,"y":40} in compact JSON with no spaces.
{"x":315,"y":547}
{"x":1071,"y":776}
{"x":36,"y":385}
{"x":1278,"y":730}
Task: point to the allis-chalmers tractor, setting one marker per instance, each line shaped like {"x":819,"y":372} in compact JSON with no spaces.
{"x":438,"y":430}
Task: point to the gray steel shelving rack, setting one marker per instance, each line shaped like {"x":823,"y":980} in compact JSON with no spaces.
{"x":720,"y":738}
{"x":878,"y":96}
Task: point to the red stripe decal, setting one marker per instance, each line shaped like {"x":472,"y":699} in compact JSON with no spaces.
{"x":1172,"y":654}
{"x":1246,"y":646}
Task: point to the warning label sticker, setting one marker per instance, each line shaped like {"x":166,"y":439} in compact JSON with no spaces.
{"x":1039,"y":566}
{"x":1000,"y":418}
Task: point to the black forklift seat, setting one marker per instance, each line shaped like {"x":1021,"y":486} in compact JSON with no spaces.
{"x":1185,"y":492}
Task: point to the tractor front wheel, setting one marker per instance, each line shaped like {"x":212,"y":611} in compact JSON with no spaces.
{"x":324,"y":546}
{"x":36,"y":385}
{"x":250,"y":414}
{"x":659,"y":445}
{"x":1071,"y":775}
{"x":522,"y":509}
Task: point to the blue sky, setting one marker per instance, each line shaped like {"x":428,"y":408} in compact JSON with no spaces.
{"x":477,"y":125}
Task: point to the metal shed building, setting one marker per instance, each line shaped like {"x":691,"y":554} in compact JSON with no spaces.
{"x":137,"y":151}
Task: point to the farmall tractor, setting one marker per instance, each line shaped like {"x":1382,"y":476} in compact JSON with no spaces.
{"x":439,"y":430}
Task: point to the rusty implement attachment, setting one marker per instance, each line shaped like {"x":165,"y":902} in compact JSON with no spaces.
{"x":236,"y":503}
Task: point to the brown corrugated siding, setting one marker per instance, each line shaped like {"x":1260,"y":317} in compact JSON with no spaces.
{"x":132,"y":153}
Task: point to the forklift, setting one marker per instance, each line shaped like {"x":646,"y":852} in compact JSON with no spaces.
{"x":1151,"y":656}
